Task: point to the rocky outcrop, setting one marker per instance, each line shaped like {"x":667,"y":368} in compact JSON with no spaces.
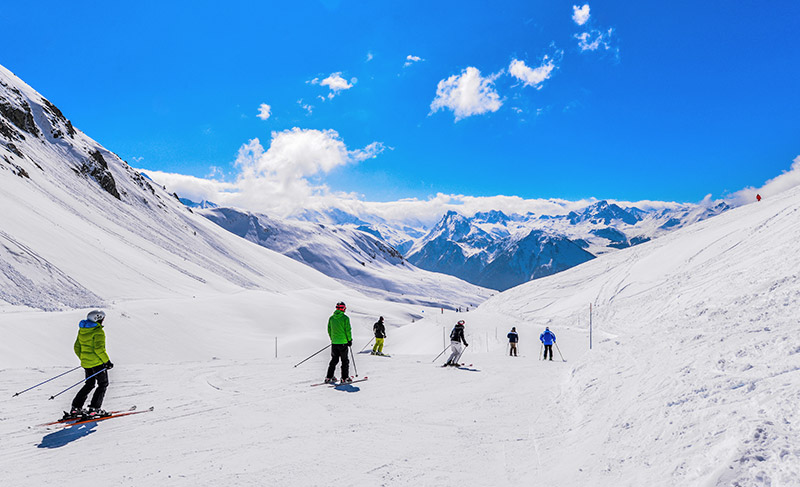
{"x":97,"y":169}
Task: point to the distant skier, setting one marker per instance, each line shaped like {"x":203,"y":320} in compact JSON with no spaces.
{"x":548,"y":338}
{"x":513,"y":338}
{"x":90,"y":347}
{"x":380,"y":335}
{"x":341,"y":338}
{"x":758,"y":197}
{"x":456,"y":339}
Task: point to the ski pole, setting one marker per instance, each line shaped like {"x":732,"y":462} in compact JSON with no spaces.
{"x":368,"y":344}
{"x":48,"y":380}
{"x":326,"y":346}
{"x":440,"y":353}
{"x":77,"y":384}
{"x":559,"y":351}
{"x":355,"y":369}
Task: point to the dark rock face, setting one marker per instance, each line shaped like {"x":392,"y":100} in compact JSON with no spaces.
{"x":21,"y":115}
{"x":97,"y":169}
{"x":55,"y":116}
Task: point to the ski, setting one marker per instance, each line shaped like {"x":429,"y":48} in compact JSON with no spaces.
{"x":459,"y":365}
{"x":348,"y":383}
{"x":70,"y":420}
{"x":118,"y":415}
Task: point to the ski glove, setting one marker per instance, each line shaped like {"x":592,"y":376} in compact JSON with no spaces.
{"x":350,"y":343}
{"x":108,"y":365}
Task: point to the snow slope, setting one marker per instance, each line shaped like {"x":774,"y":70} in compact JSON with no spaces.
{"x":692,"y":380}
{"x":357,"y":258}
{"x":695,"y":371}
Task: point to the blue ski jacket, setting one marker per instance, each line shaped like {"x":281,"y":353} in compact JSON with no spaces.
{"x":512,"y":337}
{"x":548,"y":337}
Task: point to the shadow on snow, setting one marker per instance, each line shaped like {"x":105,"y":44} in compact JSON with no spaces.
{"x":66,"y":435}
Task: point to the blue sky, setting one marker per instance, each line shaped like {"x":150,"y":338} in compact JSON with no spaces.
{"x":646,"y":100}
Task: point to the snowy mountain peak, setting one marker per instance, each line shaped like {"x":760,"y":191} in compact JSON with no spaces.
{"x":602,"y":212}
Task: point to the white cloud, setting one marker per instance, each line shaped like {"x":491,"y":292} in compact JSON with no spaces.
{"x":281,"y":179}
{"x":580,"y":14}
{"x":467,"y":94}
{"x":264,"y":111}
{"x":305,"y":106}
{"x":786,"y":180}
{"x":594,"y":40}
{"x":370,"y":57}
{"x":532,"y":76}
{"x":335,"y":83}
{"x":411,"y":60}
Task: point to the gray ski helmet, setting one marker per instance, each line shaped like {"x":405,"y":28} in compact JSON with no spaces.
{"x":96,"y":315}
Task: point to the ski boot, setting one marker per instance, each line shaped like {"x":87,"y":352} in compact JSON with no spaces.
{"x":92,"y":413}
{"x":74,"y":413}
{"x":347,"y":380}
{"x":330,"y":380}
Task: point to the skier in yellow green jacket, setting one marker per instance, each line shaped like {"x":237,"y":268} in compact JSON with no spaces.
{"x":90,"y":347}
{"x":341,"y":338}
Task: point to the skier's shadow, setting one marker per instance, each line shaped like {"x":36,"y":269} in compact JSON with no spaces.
{"x":66,"y":435}
{"x":469,"y":369}
{"x":347,"y":388}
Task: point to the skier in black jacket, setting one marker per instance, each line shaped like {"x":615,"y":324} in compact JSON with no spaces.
{"x":456,"y":338}
{"x":513,"y":338}
{"x":380,"y":335}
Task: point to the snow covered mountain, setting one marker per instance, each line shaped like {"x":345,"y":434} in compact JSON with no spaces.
{"x":500,"y":251}
{"x":360,"y":258}
{"x":81,"y":228}
{"x":693,"y":373}
{"x":692,"y":379}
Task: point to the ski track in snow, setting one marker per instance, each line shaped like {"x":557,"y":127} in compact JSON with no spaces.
{"x":258,"y":423}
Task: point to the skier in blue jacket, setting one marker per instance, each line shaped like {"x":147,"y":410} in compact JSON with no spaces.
{"x":548,"y":338}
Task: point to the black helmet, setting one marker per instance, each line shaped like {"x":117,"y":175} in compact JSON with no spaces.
{"x":341,"y":306}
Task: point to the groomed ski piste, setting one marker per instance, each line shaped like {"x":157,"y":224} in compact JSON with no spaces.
{"x":693,"y":379}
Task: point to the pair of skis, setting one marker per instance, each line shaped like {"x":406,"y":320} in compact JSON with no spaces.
{"x":337,"y":384}
{"x":84,"y":420}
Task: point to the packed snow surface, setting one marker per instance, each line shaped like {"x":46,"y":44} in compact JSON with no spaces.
{"x":692,"y":380}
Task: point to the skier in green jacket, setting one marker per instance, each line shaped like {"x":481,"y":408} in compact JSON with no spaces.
{"x":341,"y":339}
{"x":90,"y":347}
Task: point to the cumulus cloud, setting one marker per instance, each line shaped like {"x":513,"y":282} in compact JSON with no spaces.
{"x":467,"y":94}
{"x":279,"y":179}
{"x":532,"y":76}
{"x":580,"y":14}
{"x":264,"y":111}
{"x":786,"y":180}
{"x":594,"y":40}
{"x":411,"y":60}
{"x":335,"y":83}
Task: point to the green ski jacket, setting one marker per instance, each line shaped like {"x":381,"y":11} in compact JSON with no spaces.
{"x":339,"y":328}
{"x":90,"y":346}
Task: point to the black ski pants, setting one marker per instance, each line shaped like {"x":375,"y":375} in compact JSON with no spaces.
{"x":548,"y":348}
{"x":339,"y":352}
{"x":101,"y":380}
